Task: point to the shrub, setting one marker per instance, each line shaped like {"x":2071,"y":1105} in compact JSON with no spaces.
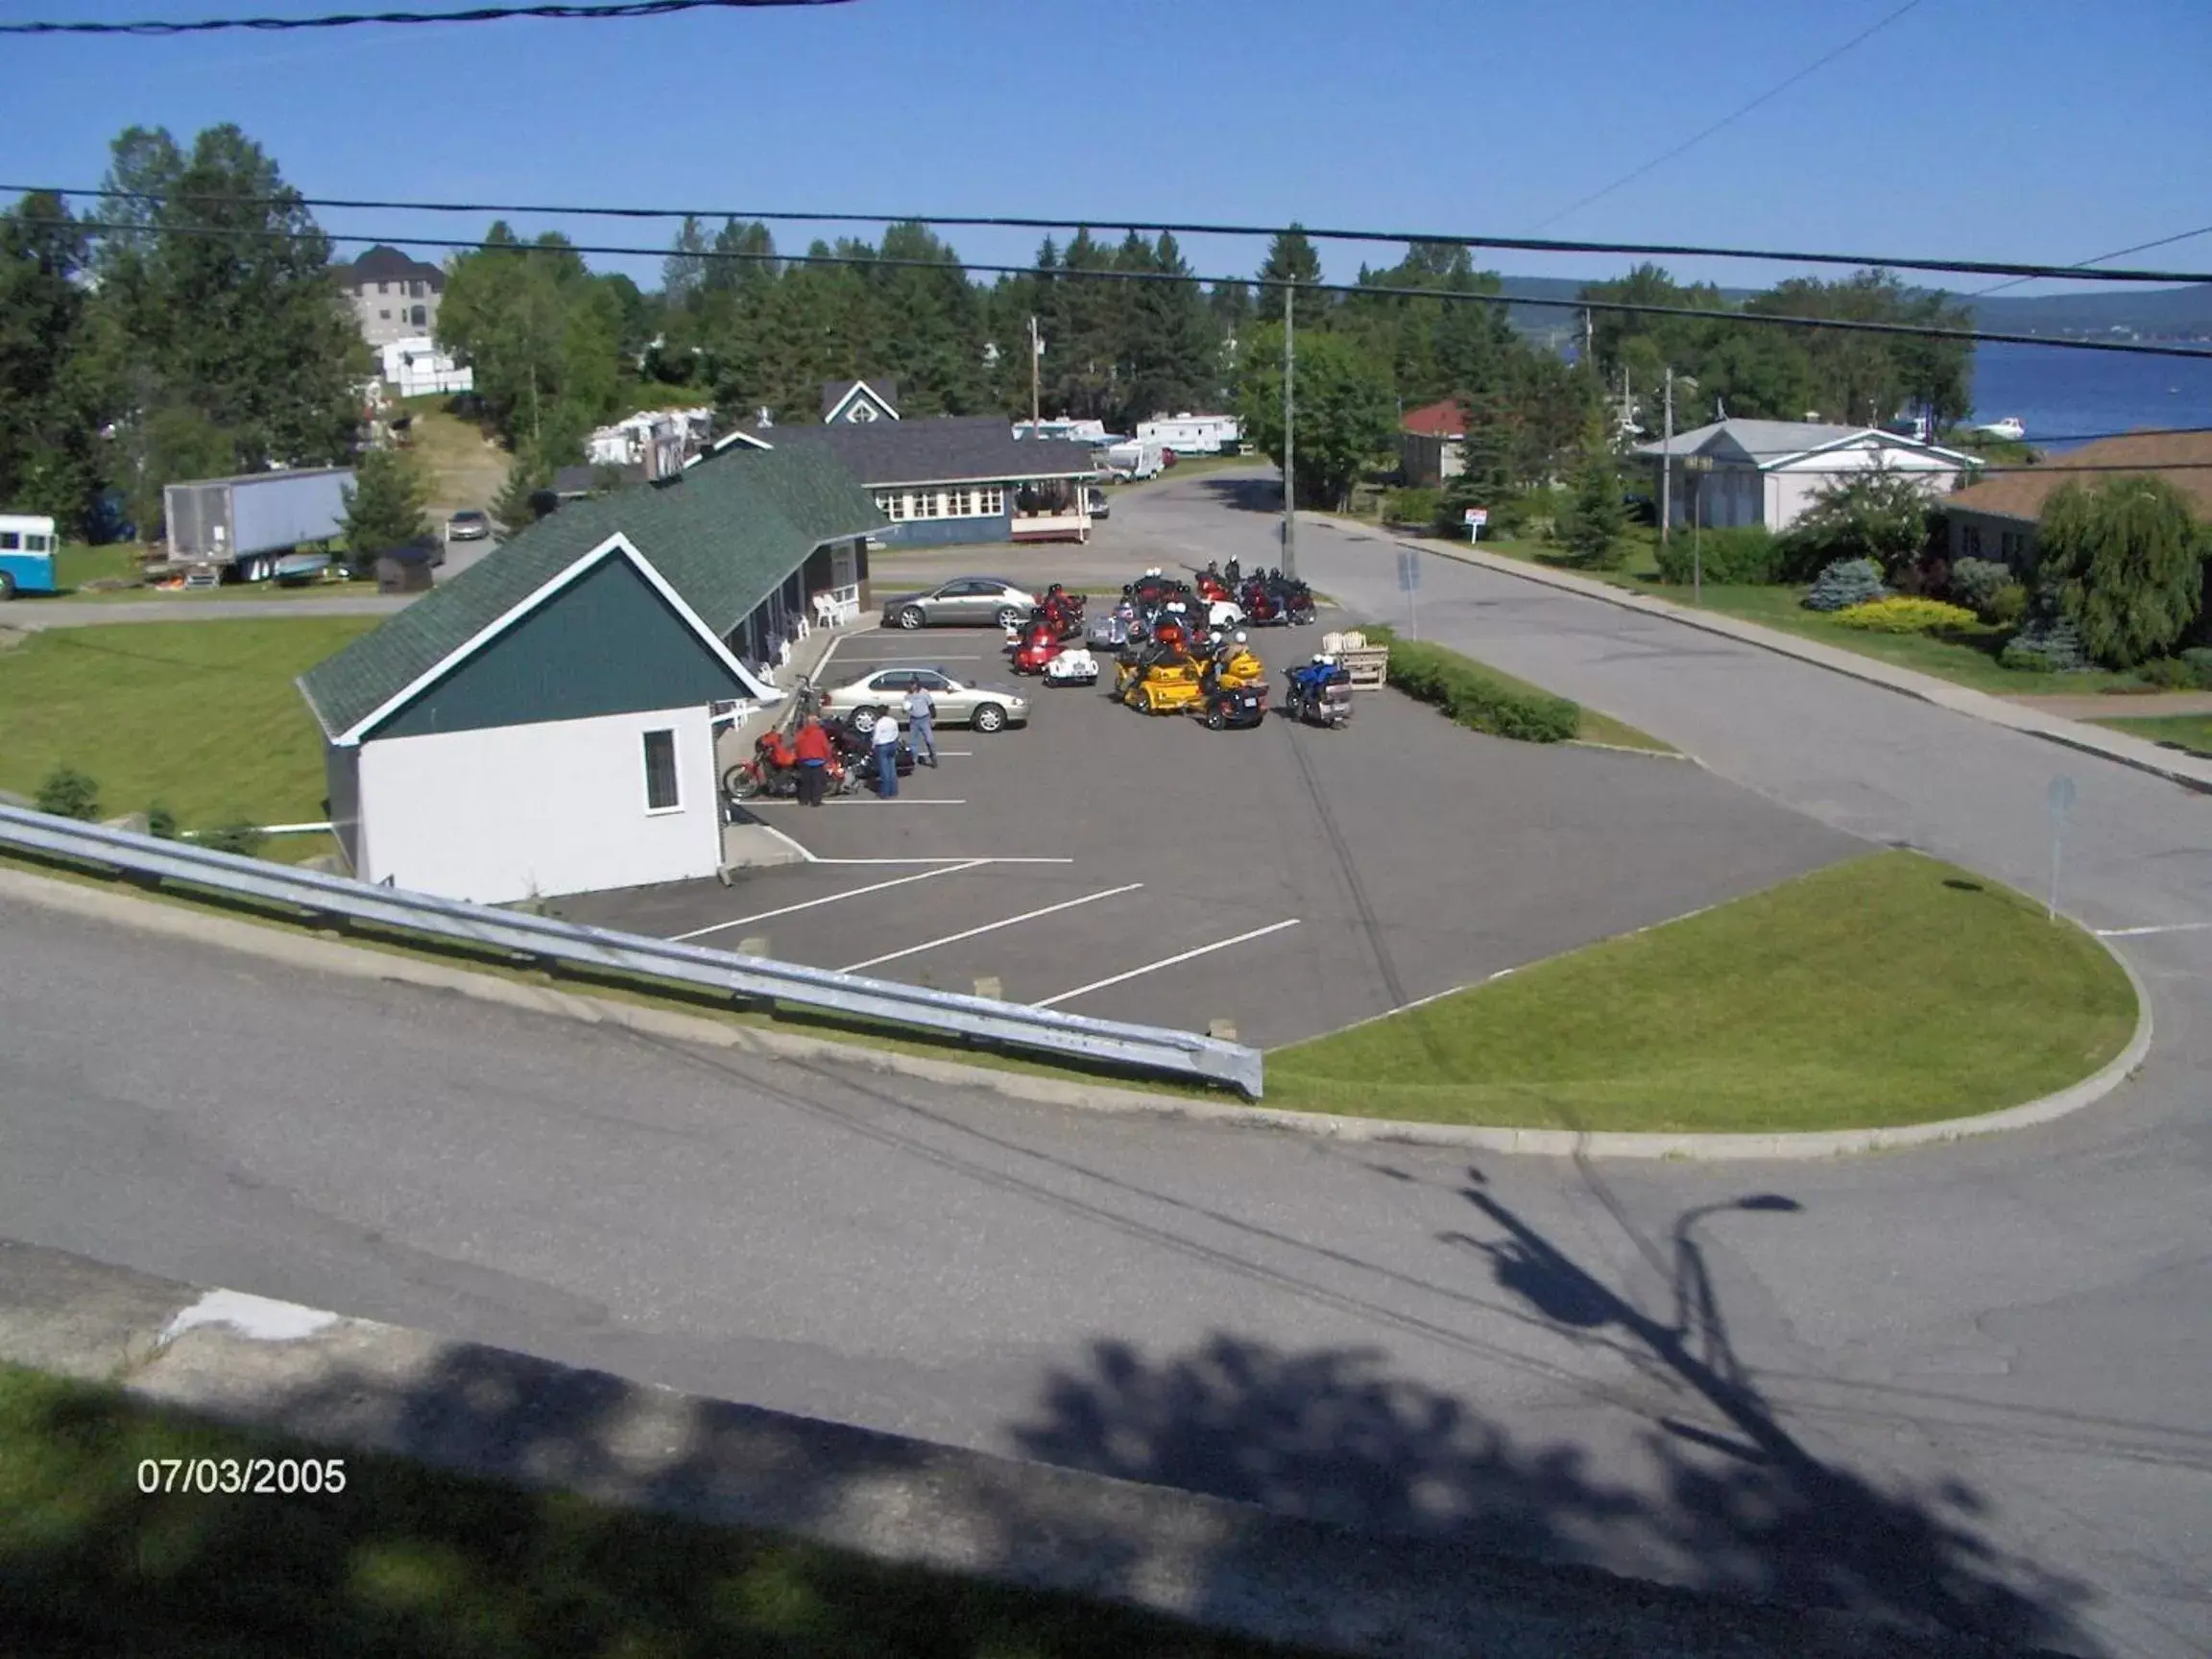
{"x":67,"y":793}
{"x":1846,"y":582}
{"x":243,"y":839}
{"x":1460,"y":687}
{"x":2199,"y":661}
{"x":2169,"y":674}
{"x":1905,"y":617}
{"x":1415,"y":506}
{"x":2047,"y":645}
{"x":1976,"y":583}
{"x":1743,"y":555}
{"x":1878,"y":513}
{"x":2007,"y":606}
{"x":161,"y":822}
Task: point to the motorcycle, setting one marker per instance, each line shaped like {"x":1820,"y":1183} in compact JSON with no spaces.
{"x":1320,"y":693}
{"x":1227,"y":703}
{"x":1034,"y":646}
{"x":773,"y":771}
{"x":1261,"y":609}
{"x":1212,"y":586}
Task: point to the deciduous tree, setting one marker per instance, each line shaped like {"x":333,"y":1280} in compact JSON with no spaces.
{"x":2124,"y":560}
{"x":1346,"y":414}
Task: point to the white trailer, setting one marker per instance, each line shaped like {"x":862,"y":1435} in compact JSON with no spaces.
{"x":1137,"y":458}
{"x":1194,"y":434}
{"x":251,"y":522}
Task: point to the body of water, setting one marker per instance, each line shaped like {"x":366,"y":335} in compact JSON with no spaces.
{"x":2066,"y":398}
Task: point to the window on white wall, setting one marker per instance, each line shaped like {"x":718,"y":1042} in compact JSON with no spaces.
{"x":661,"y":792}
{"x":993,"y":501}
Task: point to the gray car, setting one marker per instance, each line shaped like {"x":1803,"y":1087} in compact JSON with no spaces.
{"x":469,"y":525}
{"x":965,"y":601}
{"x":959,"y":703}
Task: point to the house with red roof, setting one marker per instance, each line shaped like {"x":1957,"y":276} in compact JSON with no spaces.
{"x":1429,"y":442}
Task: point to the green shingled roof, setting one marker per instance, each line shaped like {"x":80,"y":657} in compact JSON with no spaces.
{"x":723,"y":536}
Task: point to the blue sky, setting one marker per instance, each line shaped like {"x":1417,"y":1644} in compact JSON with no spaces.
{"x":2041,"y":130}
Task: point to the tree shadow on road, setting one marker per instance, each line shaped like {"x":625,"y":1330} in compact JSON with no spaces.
{"x":1729,"y":1503}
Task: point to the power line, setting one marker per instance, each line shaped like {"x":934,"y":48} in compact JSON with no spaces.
{"x":1766,"y":97}
{"x":352,"y":20}
{"x":1766,"y":319}
{"x":1009,"y":221}
{"x":2116,"y":254}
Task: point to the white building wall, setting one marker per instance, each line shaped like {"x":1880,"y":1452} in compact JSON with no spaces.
{"x":1792,"y":488}
{"x":521,"y":812}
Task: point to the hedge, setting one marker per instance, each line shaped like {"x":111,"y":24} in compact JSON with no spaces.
{"x":1741,"y":555}
{"x":1470,"y":694}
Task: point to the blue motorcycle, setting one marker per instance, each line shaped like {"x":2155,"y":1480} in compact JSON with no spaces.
{"x":1320,"y":693}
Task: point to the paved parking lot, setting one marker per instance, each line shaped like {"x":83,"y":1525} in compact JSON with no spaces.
{"x":1288,"y":879}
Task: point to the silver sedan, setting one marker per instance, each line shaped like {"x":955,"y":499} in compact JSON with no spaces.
{"x":881,"y":690}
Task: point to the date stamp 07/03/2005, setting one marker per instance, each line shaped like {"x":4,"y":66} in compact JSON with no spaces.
{"x":286,"y":1476}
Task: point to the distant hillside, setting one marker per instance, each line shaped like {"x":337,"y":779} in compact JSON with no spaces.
{"x":2157,"y":313}
{"x":2154,"y":313}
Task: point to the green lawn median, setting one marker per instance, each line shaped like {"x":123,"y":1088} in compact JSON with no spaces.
{"x":1892,"y":989}
{"x":414,"y":1560}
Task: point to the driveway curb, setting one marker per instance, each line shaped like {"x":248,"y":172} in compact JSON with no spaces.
{"x":276,"y":942}
{"x":2135,"y":752}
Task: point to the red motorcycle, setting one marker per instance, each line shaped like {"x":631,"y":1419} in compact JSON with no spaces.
{"x":773,"y":771}
{"x":1212,"y":588}
{"x":1036,"y":645}
{"x":1064,"y":610}
{"x":1262,"y":607}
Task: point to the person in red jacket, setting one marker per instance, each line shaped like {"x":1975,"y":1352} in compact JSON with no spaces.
{"x":814,"y":755}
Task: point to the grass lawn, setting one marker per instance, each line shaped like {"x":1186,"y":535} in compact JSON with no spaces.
{"x":231,"y":591}
{"x":2190,"y":732}
{"x":76,"y":565}
{"x":409,"y":1559}
{"x":1892,"y":989}
{"x":201,"y":715}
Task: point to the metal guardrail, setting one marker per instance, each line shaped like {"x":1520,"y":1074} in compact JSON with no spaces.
{"x":544,"y":939}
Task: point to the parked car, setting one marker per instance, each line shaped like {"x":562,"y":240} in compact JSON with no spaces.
{"x":970,"y":601}
{"x":959,"y":703}
{"x":467,"y":525}
{"x":1101,"y":504}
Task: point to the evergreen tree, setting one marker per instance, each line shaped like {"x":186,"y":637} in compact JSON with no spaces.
{"x":1290,"y":258}
{"x":386,"y":507}
{"x":1595,"y":523}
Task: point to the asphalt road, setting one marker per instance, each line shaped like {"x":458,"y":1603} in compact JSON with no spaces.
{"x":1965,"y":1384}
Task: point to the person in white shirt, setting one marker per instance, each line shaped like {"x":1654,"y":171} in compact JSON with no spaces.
{"x":885,"y":738}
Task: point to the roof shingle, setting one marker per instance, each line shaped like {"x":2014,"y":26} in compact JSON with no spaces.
{"x":2184,"y":459}
{"x":942,"y":449}
{"x":723,"y":536}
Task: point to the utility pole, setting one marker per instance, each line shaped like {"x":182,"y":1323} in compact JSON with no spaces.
{"x":1667,"y":464}
{"x":1290,"y":438}
{"x":1589,"y":338}
{"x":1036,"y":355}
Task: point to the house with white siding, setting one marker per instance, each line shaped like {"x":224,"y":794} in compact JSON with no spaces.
{"x":544,"y":723}
{"x":1769,"y":472}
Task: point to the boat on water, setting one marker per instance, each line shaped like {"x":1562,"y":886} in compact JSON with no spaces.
{"x":2010,"y":429}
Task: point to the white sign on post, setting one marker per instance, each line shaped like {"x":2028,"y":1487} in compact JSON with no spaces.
{"x":1477,"y":517}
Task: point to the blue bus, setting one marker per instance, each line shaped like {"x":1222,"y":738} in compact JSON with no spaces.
{"x":26,"y":554}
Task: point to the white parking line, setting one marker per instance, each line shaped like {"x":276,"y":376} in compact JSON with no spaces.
{"x":990,"y":928}
{"x":1167,"y":962}
{"x":943,"y":860}
{"x":2165,"y":927}
{"x":832,"y":899}
{"x":864,"y":800}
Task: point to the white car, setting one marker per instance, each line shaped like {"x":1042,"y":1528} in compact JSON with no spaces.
{"x":959,"y":703}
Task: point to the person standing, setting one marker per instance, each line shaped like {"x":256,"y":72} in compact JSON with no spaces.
{"x":814,"y":753}
{"x":885,"y":738}
{"x":920,"y":716}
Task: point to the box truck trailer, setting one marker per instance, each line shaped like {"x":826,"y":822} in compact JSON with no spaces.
{"x":250,"y":522}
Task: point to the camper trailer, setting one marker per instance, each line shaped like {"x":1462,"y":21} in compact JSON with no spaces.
{"x":1195,"y":434}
